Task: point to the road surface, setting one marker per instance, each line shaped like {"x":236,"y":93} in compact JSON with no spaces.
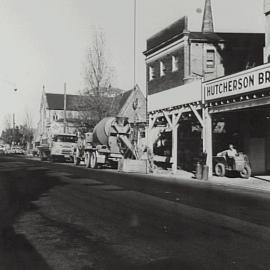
{"x":56,"y":216}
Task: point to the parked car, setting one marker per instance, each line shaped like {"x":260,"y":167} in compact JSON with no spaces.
{"x":224,"y":164}
{"x":2,"y":149}
{"x":17,"y":150}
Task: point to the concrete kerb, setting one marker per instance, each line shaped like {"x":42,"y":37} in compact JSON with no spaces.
{"x":253,"y":183}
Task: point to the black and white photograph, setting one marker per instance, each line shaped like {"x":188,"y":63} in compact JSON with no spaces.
{"x":135,"y":135}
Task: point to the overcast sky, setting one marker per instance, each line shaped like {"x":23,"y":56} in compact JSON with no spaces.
{"x":45,"y":41}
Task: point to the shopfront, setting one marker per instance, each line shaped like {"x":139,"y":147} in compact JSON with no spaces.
{"x":238,"y":109}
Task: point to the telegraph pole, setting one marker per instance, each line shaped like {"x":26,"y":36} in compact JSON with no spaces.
{"x":65,"y":107}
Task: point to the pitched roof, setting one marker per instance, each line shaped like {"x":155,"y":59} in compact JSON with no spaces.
{"x":56,"y":101}
{"x":120,"y":100}
{"x":122,"y":103}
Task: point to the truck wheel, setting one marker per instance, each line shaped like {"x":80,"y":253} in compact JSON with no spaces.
{"x":246,"y":172}
{"x":93,"y":160}
{"x":87,"y":160}
{"x":220,"y":169}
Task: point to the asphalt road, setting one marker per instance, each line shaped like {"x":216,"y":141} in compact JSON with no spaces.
{"x":56,"y":216}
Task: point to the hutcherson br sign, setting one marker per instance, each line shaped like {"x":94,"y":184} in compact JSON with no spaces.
{"x":239,"y":83}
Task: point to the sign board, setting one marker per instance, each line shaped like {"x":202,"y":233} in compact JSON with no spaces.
{"x":238,"y":83}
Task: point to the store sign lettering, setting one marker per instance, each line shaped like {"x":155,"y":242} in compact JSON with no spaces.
{"x":251,"y":80}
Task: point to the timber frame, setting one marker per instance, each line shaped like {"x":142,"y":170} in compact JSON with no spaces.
{"x":173,"y":116}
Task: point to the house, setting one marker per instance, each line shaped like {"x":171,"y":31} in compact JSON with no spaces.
{"x":131,"y":104}
{"x":52,"y":113}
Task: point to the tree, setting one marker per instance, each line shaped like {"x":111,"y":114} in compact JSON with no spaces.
{"x":8,"y":121}
{"x":8,"y":133}
{"x":22,"y":134}
{"x":27,"y":130}
{"x":98,"y":96}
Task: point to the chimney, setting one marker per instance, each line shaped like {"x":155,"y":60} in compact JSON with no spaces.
{"x":207,"y":24}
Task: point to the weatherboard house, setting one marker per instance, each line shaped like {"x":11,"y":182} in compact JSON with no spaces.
{"x":52,"y":113}
{"x":208,"y":89}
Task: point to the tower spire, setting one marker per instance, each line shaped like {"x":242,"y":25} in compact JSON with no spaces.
{"x":207,"y":23}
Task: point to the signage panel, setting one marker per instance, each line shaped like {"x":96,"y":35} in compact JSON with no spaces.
{"x":239,"y":83}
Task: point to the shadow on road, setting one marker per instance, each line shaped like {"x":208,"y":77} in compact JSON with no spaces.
{"x":18,"y":188}
{"x":17,"y":253}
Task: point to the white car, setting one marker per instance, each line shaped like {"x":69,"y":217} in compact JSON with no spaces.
{"x":2,"y":149}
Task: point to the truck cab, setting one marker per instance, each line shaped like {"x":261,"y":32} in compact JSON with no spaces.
{"x":62,"y":146}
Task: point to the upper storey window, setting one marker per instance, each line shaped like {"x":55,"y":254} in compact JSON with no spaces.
{"x":151,"y":73}
{"x":210,"y":58}
{"x":175,"y":63}
{"x":162,"y":69}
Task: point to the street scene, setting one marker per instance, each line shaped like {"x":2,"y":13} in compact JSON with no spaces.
{"x":139,"y":141}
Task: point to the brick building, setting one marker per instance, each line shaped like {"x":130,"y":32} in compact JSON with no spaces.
{"x":176,"y":61}
{"x":176,"y":56}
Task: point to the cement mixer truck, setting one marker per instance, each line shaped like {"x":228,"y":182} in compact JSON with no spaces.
{"x":107,"y":144}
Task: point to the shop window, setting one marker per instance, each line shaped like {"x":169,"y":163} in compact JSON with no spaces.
{"x":210,"y":58}
{"x":162,"y":69}
{"x":151,"y":73}
{"x":175,"y":63}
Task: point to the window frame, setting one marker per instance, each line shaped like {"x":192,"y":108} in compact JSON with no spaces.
{"x":162,"y":69}
{"x":175,"y":63}
{"x":210,"y":58}
{"x":151,"y":72}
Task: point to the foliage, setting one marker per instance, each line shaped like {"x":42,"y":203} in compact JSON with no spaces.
{"x":20,"y":135}
{"x":98,"y":96}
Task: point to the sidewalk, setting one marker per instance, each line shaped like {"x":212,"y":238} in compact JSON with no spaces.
{"x":254,"y":182}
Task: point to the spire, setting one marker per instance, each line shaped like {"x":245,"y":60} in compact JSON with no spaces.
{"x":207,"y":24}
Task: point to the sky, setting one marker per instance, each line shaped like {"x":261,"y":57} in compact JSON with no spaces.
{"x":45,"y":42}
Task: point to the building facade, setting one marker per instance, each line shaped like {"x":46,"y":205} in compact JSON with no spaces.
{"x":177,"y":61}
{"x":52,"y":114}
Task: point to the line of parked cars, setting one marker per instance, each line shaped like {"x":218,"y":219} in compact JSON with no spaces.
{"x":6,"y":149}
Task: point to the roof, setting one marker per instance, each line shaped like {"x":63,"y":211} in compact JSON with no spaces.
{"x":205,"y":37}
{"x":209,"y":37}
{"x":167,"y":33}
{"x":120,"y":100}
{"x":243,"y":38}
{"x":56,"y":101}
{"x":123,"y":104}
{"x":215,"y":37}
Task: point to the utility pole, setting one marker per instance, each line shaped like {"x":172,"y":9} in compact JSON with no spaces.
{"x":65,"y":106}
{"x":134,"y":40}
{"x":13,"y":123}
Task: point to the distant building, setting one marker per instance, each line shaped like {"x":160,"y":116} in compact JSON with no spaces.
{"x":131,"y":104}
{"x":52,"y":113}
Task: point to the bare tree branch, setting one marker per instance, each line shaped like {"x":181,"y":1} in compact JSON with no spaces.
{"x":98,"y":94}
